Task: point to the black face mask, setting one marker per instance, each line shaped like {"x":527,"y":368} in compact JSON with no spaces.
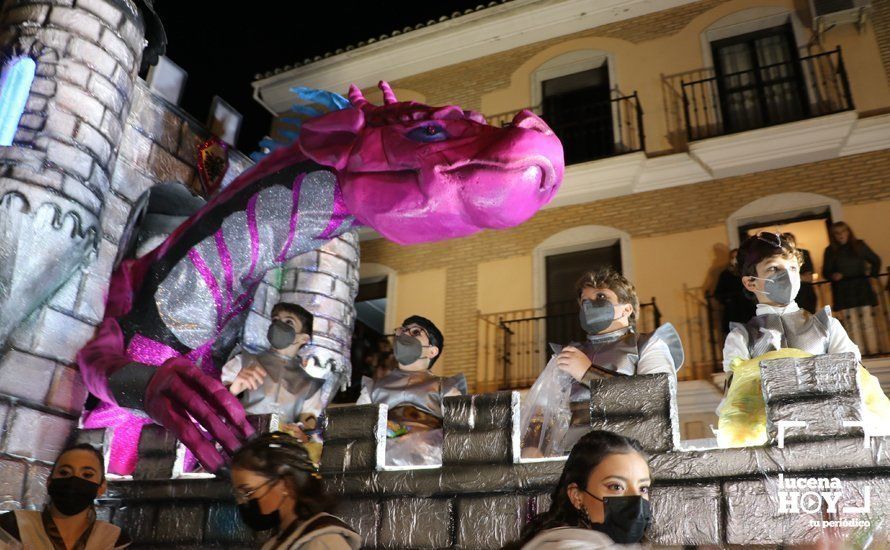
{"x":281,"y":334}
{"x":407,"y":349}
{"x":625,"y":519}
{"x":255,"y":519}
{"x":596,"y":315}
{"x":72,"y":495}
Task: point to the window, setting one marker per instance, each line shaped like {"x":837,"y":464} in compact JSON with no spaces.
{"x":759,"y":79}
{"x":578,"y":108}
{"x":15,"y":85}
{"x":563,"y":271}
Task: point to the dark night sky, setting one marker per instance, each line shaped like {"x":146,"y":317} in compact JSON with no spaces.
{"x":223,"y":45}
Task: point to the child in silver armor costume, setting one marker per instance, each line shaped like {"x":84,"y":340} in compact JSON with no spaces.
{"x":277,"y":381}
{"x":414,"y":395}
{"x":608,"y":310}
{"x":769,"y":265}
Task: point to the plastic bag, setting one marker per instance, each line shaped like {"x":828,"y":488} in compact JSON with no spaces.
{"x":545,"y":415}
{"x":742,"y":413}
{"x":876,"y":410}
{"x":415,"y":448}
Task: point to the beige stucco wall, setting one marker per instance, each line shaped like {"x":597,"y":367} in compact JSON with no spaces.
{"x":423,"y":293}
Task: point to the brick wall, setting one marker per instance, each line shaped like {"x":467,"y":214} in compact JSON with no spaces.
{"x":464,"y":84}
{"x":852,"y":180}
{"x":880,"y":18}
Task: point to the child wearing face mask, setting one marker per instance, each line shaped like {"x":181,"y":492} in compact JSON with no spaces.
{"x":769,"y":265}
{"x":69,"y":519}
{"x":608,"y":309}
{"x":414,"y":395}
{"x":277,"y":381}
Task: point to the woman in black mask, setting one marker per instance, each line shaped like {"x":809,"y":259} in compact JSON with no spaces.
{"x":601,"y":500}
{"x":277,"y":487}
{"x":68,"y":521}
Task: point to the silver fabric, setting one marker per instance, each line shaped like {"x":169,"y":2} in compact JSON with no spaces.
{"x":285,"y":390}
{"x":41,"y":248}
{"x":686,"y":514}
{"x":619,"y":352}
{"x":423,"y":389}
{"x":799,"y":329}
{"x":186,"y":304}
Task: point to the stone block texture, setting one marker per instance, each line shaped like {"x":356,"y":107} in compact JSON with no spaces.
{"x":325,"y":282}
{"x":92,"y":140}
{"x":717,"y":498}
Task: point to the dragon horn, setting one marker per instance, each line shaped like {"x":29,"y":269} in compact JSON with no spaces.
{"x":356,"y":98}
{"x":388,"y":96}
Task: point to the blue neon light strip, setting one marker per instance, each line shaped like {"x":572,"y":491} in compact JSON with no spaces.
{"x":14,"y":90}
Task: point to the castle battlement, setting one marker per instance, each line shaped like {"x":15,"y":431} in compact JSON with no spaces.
{"x":483,"y":492}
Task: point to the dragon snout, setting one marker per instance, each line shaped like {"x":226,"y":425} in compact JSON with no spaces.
{"x":530,"y":121}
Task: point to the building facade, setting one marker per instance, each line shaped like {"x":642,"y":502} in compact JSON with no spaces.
{"x":686,"y":124}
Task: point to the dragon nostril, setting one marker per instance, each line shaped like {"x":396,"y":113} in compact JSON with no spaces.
{"x":530,"y":121}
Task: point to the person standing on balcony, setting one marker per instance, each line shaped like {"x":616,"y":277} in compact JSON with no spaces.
{"x":849,"y":264}
{"x":736,"y":307}
{"x":414,"y":395}
{"x":806,"y":298}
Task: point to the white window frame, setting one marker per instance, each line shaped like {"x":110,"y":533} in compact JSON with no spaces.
{"x":584,"y":237}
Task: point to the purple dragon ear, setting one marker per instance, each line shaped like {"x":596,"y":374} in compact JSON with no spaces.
{"x":389,"y":97}
{"x":356,"y":98}
{"x":328,"y":139}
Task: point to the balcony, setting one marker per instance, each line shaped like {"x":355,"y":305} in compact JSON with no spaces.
{"x":808,"y":87}
{"x":514,"y":344}
{"x":594,"y":130}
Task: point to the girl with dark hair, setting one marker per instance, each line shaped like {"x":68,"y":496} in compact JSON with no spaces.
{"x":601,"y":500}
{"x":277,"y":487}
{"x":69,"y":519}
{"x":848,"y":264}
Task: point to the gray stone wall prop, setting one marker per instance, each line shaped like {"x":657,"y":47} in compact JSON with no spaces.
{"x":480,"y":499}
{"x":93,"y":139}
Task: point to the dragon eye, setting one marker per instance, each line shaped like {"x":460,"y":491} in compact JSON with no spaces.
{"x":428,"y":134}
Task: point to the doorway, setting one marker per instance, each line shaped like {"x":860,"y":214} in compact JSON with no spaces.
{"x":562,"y":272}
{"x":578,"y":108}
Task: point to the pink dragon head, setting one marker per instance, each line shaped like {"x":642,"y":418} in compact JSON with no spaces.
{"x":420,"y":174}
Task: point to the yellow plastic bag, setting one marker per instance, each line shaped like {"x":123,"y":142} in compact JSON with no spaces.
{"x":877,"y":405}
{"x":742,"y":413}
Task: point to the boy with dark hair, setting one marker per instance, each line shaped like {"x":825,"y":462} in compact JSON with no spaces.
{"x":770,"y":265}
{"x":277,"y":381}
{"x":414,"y":395}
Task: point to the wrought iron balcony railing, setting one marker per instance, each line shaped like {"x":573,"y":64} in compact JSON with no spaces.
{"x":594,"y":130}
{"x":806,"y":87}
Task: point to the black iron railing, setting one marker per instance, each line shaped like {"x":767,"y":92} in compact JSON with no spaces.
{"x":810,"y":86}
{"x":522,"y":343}
{"x":868,"y":327}
{"x":597,"y":129}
